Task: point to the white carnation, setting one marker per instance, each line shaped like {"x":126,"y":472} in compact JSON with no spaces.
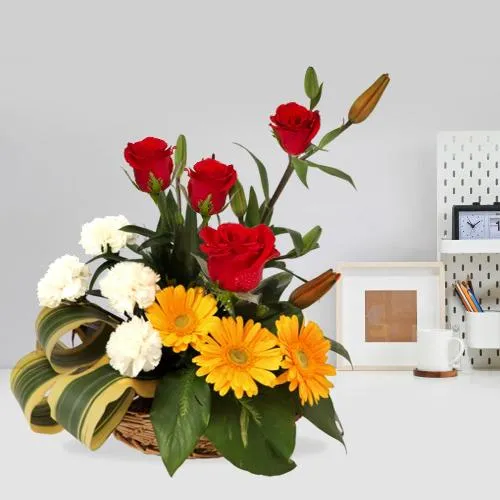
{"x":65,"y":279}
{"x":128,"y":284}
{"x":104,"y":232}
{"x":134,"y":346}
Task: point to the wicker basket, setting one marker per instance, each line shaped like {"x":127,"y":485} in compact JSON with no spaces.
{"x":136,"y":430}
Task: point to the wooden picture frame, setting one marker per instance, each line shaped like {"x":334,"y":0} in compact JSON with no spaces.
{"x":378,"y":330}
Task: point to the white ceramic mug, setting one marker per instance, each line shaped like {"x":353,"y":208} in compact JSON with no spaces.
{"x":433,"y":350}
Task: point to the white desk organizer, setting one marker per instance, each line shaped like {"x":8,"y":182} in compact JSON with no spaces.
{"x":482,"y":330}
{"x":468,"y":170}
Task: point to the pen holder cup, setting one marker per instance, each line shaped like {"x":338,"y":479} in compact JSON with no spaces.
{"x":482,"y":329}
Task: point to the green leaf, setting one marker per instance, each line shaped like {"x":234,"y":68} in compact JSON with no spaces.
{"x":315,"y":100}
{"x":160,"y":239}
{"x":324,"y":417}
{"x":169,"y":211}
{"x":90,"y":404}
{"x":339,"y":349}
{"x":300,"y":167}
{"x":297,"y":239}
{"x":332,"y":171}
{"x":105,"y":265}
{"x":30,"y":380}
{"x":262,"y":172}
{"x":180,"y":415}
{"x":52,"y":324}
{"x":180,"y":156}
{"x":273,"y":287}
{"x":311,"y":239}
{"x":238,"y":200}
{"x":275,"y":310}
{"x":183,"y":266}
{"x":330,"y":136}
{"x":143,"y":231}
{"x":311,"y":85}
{"x":202,"y":263}
{"x":252,"y":216}
{"x":265,"y":445}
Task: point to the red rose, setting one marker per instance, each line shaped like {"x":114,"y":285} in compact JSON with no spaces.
{"x":237,"y":254}
{"x":150,"y":156}
{"x":295,"y":127}
{"x":210,"y":177}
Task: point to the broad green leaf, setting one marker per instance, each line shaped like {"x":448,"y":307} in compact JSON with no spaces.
{"x":180,"y":415}
{"x":92,"y":403}
{"x":311,"y":239}
{"x":238,"y":200}
{"x":324,"y":417}
{"x":262,"y":172}
{"x":330,"y":136}
{"x":311,"y":85}
{"x":30,"y":379}
{"x":143,"y":231}
{"x":272,"y":288}
{"x":52,"y":324}
{"x":252,"y":216}
{"x":339,"y":349}
{"x":300,"y":167}
{"x":315,"y":100}
{"x":180,"y":156}
{"x":261,"y":442}
{"x":333,"y":171}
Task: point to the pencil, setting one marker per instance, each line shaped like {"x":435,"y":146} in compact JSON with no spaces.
{"x":461,"y":296}
{"x":472,"y":295}
{"x":467,"y":296}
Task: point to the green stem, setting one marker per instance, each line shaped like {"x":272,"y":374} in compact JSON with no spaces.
{"x":279,"y":189}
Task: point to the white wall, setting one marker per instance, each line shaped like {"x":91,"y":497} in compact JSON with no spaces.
{"x":80,"y":79}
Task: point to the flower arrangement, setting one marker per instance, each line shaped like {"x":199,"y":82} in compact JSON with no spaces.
{"x":180,"y":316}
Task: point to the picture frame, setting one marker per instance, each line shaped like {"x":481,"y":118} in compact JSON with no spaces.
{"x":380,"y":306}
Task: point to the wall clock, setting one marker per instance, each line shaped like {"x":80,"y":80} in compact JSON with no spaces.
{"x":476,"y":222}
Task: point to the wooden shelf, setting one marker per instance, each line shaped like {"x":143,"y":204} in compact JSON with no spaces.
{"x":470,"y":246}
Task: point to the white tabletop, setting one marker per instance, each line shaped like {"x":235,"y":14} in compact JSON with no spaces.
{"x":407,"y":438}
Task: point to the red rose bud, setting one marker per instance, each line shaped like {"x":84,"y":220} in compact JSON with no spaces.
{"x":236,"y":254}
{"x":212,"y":178}
{"x":295,"y":127}
{"x":150,"y":158}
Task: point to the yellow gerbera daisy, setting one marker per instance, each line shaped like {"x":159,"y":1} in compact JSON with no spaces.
{"x":305,"y":353}
{"x":236,"y":355}
{"x":182,"y":317}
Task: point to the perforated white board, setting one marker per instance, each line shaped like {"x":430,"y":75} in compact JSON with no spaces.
{"x":468,"y":171}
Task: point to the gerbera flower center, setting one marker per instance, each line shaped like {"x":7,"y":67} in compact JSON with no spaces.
{"x":302,"y":359}
{"x":238,"y":356}
{"x":181,"y":321}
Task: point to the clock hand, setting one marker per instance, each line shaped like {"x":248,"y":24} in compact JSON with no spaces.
{"x":476,"y":224}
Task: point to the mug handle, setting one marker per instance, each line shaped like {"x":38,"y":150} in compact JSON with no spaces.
{"x":460,"y":352}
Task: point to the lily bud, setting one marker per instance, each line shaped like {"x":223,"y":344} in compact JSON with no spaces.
{"x":366,"y":102}
{"x":310,"y":292}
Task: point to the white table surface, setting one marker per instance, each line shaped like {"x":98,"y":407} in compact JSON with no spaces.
{"x":407,"y":438}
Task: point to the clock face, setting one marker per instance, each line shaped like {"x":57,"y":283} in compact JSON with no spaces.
{"x":479,"y":225}
{"x":472,"y":225}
